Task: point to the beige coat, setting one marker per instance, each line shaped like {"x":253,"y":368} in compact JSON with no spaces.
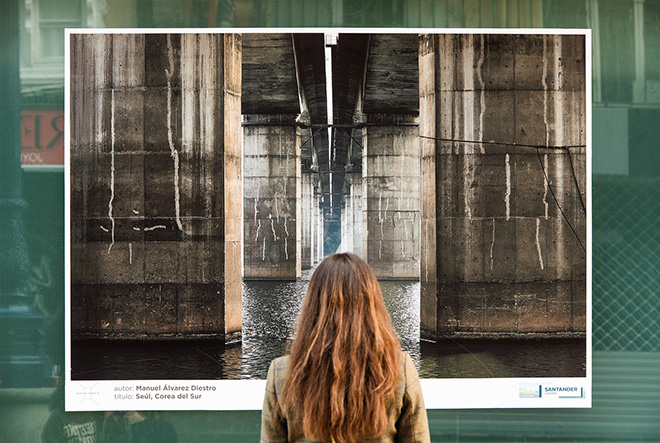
{"x":407,"y":423}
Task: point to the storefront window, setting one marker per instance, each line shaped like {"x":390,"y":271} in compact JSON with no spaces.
{"x":625,"y":186}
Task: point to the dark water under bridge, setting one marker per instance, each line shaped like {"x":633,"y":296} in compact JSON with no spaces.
{"x":269,"y":314}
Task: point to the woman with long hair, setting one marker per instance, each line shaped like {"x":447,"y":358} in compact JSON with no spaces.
{"x":346,"y":378}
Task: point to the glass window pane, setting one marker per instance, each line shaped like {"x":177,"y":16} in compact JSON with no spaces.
{"x":60,"y":10}
{"x":52,"y":43}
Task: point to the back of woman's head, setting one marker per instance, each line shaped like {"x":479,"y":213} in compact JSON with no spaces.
{"x":345,"y":359}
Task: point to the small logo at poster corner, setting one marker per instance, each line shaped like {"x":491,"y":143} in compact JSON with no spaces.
{"x":530,"y":390}
{"x":87,"y":393}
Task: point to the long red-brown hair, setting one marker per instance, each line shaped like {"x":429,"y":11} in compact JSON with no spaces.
{"x":345,"y":360}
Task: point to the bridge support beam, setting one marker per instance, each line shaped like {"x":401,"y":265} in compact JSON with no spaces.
{"x":156,"y":186}
{"x":498,"y":258}
{"x":390,"y":171}
{"x":273,"y":197}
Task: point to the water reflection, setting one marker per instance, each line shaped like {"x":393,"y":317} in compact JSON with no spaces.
{"x":402,"y":301}
{"x":270,"y":310}
{"x":503,"y":358}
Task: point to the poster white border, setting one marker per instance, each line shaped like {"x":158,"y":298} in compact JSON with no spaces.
{"x":455,"y":393}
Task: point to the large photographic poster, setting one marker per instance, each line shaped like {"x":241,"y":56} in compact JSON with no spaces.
{"x":208,"y":172}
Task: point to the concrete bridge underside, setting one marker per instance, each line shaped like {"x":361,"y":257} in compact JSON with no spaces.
{"x":439,"y":163}
{"x":359,"y":170}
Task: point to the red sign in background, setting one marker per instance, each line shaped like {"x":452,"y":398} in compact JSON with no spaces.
{"x":42,"y":137}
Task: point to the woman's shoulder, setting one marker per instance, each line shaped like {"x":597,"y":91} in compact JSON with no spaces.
{"x":278,"y":367}
{"x":280,"y":362}
{"x":405,"y":357}
{"x":409,"y":373}
{"x":407,"y":361}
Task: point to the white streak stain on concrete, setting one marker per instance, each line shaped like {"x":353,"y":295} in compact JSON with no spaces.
{"x":492,"y":246}
{"x":544,"y":82}
{"x":112,"y":169}
{"x":130,"y":253}
{"x":104,"y":228}
{"x":507,"y":196}
{"x":538,"y":243}
{"x":272,"y":227}
{"x":263,"y":250}
{"x":380,"y":220}
{"x":135,"y":212}
{"x":286,"y":240}
{"x":135,"y":228}
{"x":468,"y":125}
{"x":152,"y":228}
{"x":170,"y":138}
{"x":482,"y":94}
{"x":380,"y":207}
{"x":387,"y":207}
{"x":256,"y":237}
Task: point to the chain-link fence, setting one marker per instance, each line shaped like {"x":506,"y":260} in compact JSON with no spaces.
{"x":626,"y":264}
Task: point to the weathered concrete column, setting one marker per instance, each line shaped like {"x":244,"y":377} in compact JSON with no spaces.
{"x":273,"y":197}
{"x":357,"y":203}
{"x":390,"y":171}
{"x":318,"y":228}
{"x":156,"y":185}
{"x":503,"y":126}
{"x":307,"y":221}
{"x":347,"y":225}
{"x":429,"y":98}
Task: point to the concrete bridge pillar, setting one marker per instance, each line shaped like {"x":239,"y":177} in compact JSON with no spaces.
{"x":497,"y":255}
{"x":390,"y":189}
{"x":308,"y":242}
{"x":357,"y":209}
{"x":156,"y":185}
{"x":347,"y":225}
{"x":273,"y":197}
{"x":351,"y":215}
{"x":318,"y":228}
